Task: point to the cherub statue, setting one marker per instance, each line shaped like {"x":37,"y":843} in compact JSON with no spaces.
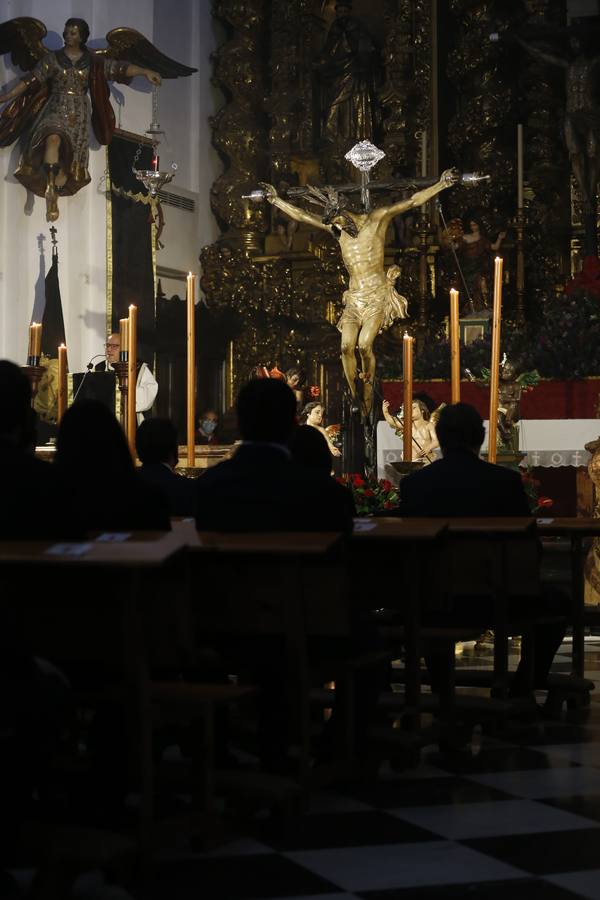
{"x":424,"y":437}
{"x":510,"y":388}
{"x":49,"y":105}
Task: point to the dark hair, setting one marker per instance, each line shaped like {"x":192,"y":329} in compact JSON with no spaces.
{"x":426,"y":399}
{"x":296,"y":370}
{"x":309,"y":448}
{"x":15,"y":399}
{"x":91,"y":444}
{"x":82,"y":26}
{"x":266,"y":410}
{"x":460,"y":427}
{"x":309,"y":408}
{"x":156,"y":441}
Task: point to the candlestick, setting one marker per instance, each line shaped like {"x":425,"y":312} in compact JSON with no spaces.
{"x":191,"y":370}
{"x":495,"y":364}
{"x":424,"y":153}
{"x":520,"y":166}
{"x":454,"y":346}
{"x":132,"y":378}
{"x":123,"y":339}
{"x":62,"y":381}
{"x":407,"y":370}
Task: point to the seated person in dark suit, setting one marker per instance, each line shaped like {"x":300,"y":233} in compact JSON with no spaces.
{"x":310,"y":449}
{"x":260,"y":488}
{"x":32,"y":506}
{"x":462,"y":484}
{"x":32,"y":700}
{"x":94,"y":461}
{"x":157,"y":449}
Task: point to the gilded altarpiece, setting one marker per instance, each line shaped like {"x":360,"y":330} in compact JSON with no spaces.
{"x":433,"y":70}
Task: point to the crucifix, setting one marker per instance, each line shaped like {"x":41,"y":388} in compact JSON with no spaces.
{"x":371,"y":303}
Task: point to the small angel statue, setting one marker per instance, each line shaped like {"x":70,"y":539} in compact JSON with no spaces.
{"x":424,"y":437}
{"x":510,"y":388}
{"x":49,"y":106}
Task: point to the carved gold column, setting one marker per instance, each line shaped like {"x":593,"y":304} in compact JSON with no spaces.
{"x":592,"y":563}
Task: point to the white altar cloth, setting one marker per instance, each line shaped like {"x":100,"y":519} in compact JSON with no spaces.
{"x":545,"y":442}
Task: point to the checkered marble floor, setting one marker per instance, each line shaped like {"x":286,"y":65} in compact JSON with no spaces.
{"x":517,"y":817}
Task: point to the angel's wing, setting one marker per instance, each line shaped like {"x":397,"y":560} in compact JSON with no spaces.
{"x":128,"y":44}
{"x":435,"y":415}
{"x":23,"y":38}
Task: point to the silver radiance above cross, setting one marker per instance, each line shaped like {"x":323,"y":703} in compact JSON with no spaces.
{"x":364,"y":156}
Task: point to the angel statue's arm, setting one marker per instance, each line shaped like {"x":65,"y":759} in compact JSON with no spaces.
{"x":294,"y":212}
{"x":19,"y":88}
{"x":447,"y":179}
{"x":153,"y":77}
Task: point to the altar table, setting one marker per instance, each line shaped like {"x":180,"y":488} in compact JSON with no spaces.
{"x":548,"y":443}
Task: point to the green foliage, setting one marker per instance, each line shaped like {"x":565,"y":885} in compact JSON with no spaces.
{"x":371,"y":495}
{"x":564,"y":343}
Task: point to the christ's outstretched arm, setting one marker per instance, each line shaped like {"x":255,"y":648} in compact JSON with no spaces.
{"x":294,"y":212}
{"x":447,"y":179}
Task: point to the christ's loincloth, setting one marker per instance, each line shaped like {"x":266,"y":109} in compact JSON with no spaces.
{"x":382,"y":302}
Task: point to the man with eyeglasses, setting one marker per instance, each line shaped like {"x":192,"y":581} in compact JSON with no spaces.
{"x":146,"y":387}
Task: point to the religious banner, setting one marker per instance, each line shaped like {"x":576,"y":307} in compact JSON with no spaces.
{"x":130,"y":240}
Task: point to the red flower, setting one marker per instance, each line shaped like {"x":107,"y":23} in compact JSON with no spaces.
{"x":386,"y":485}
{"x":314,"y":390}
{"x":369,"y":493}
{"x":388,"y":504}
{"x":357,"y":481}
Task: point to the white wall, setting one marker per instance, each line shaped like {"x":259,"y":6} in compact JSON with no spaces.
{"x":184,"y":107}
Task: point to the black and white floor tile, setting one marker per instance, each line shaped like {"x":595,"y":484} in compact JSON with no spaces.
{"x":517,"y":817}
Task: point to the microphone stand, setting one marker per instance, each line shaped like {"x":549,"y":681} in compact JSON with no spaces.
{"x":88,"y":369}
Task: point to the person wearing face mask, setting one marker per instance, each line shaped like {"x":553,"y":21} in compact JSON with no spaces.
{"x":207,"y":430}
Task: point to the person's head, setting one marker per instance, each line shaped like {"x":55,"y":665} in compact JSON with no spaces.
{"x":420,"y":410}
{"x":16,"y":416}
{"x":113,"y":348}
{"x":460,"y":427}
{"x":266,"y":411}
{"x":259,"y":372}
{"x":393,"y":273}
{"x":91,"y":444}
{"x":76,"y":32}
{"x":343,"y":8}
{"x":313,"y":413}
{"x":209,"y":421}
{"x":295,"y":377}
{"x":156,"y":442}
{"x":427,"y":400}
{"x":508,"y":372}
{"x":309,"y":448}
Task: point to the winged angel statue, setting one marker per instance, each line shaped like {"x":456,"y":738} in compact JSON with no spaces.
{"x":50,"y":105}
